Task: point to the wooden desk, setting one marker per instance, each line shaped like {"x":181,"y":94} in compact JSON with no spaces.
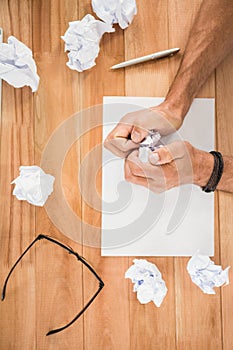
{"x":48,"y":288}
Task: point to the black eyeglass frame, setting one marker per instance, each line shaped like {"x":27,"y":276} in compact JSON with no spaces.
{"x":79,"y":258}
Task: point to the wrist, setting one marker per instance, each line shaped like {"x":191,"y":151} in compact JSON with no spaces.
{"x":203,"y":164}
{"x":179,"y":105}
{"x":170,"y":113}
{"x":181,"y":93}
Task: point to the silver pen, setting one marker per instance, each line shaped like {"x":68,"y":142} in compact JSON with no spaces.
{"x":153,"y":56}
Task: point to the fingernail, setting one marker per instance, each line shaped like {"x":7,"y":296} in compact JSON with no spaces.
{"x":154,"y":158}
{"x":136,"y":136}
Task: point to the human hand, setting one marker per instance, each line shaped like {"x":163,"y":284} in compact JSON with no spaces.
{"x":134,"y":127}
{"x":173,"y":165}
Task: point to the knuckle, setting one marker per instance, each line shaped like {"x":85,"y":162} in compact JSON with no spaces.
{"x":188,"y":146}
{"x":107,"y":143}
{"x":158,"y":189}
{"x":132,"y":168}
{"x":128,"y":177}
{"x":135,"y":169}
{"x":121,"y":154}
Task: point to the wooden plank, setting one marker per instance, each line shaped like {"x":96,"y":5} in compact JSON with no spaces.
{"x":107,"y":321}
{"x":194,"y":329}
{"x":224,"y":92}
{"x":17,"y":218}
{"x":49,"y":287}
{"x":17,"y":230}
{"x":144,"y":37}
{"x":151,"y":327}
{"x":59,"y":276}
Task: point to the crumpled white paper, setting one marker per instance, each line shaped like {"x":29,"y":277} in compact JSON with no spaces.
{"x":205,"y":274}
{"x":33,"y":185}
{"x":148,"y":282}
{"x":17,"y":66}
{"x":148,"y":145}
{"x":115,"y":11}
{"x":82,"y":41}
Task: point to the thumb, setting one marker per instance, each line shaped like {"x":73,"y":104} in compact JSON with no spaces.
{"x":161,"y":156}
{"x":164,"y":155}
{"x":138,"y":134}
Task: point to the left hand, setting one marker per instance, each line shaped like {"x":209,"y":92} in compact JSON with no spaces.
{"x":173,"y":165}
{"x":135,"y":126}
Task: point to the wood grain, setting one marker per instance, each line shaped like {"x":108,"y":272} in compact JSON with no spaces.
{"x":151,"y":327}
{"x":194,"y":329}
{"x":17,"y":218}
{"x":107,"y":322}
{"x":224,"y":92}
{"x":49,"y":287}
{"x":59,"y":276}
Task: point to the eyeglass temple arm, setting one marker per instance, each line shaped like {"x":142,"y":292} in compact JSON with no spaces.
{"x":90,"y":268}
{"x":16,"y":263}
{"x":71,"y":251}
{"x":101,"y":285}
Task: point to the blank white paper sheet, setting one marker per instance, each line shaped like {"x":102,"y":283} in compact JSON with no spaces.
{"x":138,"y":222}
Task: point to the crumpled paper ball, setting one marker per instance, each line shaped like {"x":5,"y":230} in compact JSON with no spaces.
{"x":148,"y":282}
{"x":205,"y":274}
{"x":148,"y":145}
{"x":115,"y":11}
{"x":82,"y":41}
{"x":33,"y":185}
{"x":17,"y":66}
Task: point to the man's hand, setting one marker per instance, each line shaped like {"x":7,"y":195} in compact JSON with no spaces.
{"x":134,"y":127}
{"x":176,"y":164}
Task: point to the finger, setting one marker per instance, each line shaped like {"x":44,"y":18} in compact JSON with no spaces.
{"x":167,"y":154}
{"x":138,"y":168}
{"x":135,"y":169}
{"x":157,"y":186}
{"x":138,"y":134}
{"x":109,"y":146}
{"x":142,"y":181}
{"x":120,"y":146}
{"x":154,"y":158}
{"x":121,"y":130}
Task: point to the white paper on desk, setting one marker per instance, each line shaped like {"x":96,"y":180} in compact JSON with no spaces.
{"x":17,"y":66}
{"x":82,"y":41}
{"x":115,"y":11}
{"x":135,"y":221}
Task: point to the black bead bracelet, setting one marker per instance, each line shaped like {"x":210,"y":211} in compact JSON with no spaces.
{"x":216,"y":173}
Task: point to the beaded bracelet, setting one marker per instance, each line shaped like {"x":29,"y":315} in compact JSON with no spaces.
{"x":216,"y":173}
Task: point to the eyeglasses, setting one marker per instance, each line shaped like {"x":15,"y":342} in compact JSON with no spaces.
{"x":79,"y":258}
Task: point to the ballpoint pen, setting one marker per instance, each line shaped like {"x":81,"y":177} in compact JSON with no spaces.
{"x":153,"y":56}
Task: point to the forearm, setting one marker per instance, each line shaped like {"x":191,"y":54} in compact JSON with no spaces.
{"x":203,"y":164}
{"x":210,"y":40}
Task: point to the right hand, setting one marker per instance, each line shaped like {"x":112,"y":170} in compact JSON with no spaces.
{"x":173,"y":165}
{"x":134,"y":127}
